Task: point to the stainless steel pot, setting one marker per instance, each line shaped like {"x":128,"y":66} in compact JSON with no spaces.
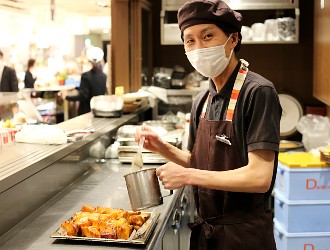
{"x":107,"y":105}
{"x":143,"y":189}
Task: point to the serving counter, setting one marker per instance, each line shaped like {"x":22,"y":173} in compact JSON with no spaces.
{"x":102,"y":185}
{"x":43,"y":185}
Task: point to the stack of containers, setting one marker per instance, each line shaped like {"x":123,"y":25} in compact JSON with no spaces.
{"x":302,"y":203}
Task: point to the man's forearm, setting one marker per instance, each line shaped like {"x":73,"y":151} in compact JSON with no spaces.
{"x":175,"y":155}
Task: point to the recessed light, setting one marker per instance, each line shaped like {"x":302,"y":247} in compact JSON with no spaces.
{"x":102,"y":4}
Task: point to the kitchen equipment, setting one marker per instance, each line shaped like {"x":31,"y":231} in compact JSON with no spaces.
{"x":135,"y":101}
{"x":143,"y":189}
{"x":162,"y":78}
{"x":128,"y":146}
{"x":107,"y":105}
{"x":161,"y":124}
{"x":177,"y":79}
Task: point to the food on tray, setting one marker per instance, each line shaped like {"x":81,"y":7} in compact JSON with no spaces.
{"x":104,"y":222}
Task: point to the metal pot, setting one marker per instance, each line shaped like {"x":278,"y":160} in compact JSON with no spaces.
{"x":143,"y":189}
{"x":107,"y":105}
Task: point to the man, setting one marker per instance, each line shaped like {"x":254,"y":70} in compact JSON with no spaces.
{"x":233,"y":139}
{"x":8,"y":78}
{"x":92,"y":83}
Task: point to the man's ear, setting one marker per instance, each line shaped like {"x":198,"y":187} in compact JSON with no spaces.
{"x":234,"y":38}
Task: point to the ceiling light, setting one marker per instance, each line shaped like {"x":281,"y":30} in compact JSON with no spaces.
{"x":102,"y":4}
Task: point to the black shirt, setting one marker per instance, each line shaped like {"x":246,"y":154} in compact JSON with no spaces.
{"x":29,"y":80}
{"x":92,"y":83}
{"x":256,"y":117}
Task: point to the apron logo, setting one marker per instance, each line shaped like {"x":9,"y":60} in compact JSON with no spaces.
{"x":223,"y":138}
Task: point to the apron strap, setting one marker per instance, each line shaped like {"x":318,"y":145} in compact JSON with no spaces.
{"x":240,"y":78}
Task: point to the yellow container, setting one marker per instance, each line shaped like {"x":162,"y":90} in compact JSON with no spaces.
{"x":301,"y":160}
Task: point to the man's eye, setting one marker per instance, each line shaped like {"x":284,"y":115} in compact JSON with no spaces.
{"x":208,"y":36}
{"x":188,"y":41}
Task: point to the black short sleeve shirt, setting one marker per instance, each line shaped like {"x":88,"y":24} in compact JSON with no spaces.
{"x":256,"y":117}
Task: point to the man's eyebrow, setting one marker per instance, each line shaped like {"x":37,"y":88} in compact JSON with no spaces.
{"x":202,"y":31}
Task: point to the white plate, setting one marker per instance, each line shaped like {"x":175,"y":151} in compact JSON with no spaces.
{"x":292,"y":111}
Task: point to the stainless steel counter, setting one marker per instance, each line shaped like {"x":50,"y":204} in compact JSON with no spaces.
{"x":102,"y":185}
{"x":31,"y":174}
{"x":21,"y":160}
{"x":43,"y":185}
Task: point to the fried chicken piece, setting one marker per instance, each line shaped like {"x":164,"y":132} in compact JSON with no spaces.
{"x":90,"y":232}
{"x":146,"y":216}
{"x":108,"y":229}
{"x":70,"y":228}
{"x":89,"y":209}
{"x":133,"y":213}
{"x":136,"y":220}
{"x":83,"y":222}
{"x":104,"y":210}
{"x":94,"y":219}
{"x":123,"y":214}
{"x":124,"y":229}
{"x":116,"y":214}
{"x":106,"y":217}
{"x":78,"y":215}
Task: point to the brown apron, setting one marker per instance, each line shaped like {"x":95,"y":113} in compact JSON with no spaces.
{"x":226,"y":220}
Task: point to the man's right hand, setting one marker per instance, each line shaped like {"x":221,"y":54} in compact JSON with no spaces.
{"x":152,"y":142}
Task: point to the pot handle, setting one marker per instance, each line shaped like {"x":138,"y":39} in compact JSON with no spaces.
{"x":171,"y":192}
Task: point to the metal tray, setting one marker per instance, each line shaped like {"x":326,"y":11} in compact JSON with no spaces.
{"x":137,"y":237}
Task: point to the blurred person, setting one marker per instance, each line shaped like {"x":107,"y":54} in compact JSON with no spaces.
{"x":234,"y":136}
{"x":30,"y":76}
{"x":92,"y":83}
{"x":8,"y":77}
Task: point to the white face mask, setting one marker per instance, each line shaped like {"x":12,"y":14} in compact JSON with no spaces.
{"x":210,"y":62}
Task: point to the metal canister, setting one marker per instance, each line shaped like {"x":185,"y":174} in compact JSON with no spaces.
{"x":143,"y":189}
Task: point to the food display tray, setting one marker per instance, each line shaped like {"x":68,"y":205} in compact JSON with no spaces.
{"x":149,"y":225}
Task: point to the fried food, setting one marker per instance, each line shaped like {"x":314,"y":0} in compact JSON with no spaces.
{"x":90,"y":232}
{"x":70,"y":228}
{"x":103,"y":222}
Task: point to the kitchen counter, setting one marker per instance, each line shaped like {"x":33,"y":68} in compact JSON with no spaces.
{"x":103,"y":185}
{"x":31,"y":174}
{"x":43,"y":185}
{"x":18,"y":161}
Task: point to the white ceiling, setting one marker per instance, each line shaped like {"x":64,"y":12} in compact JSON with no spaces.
{"x":84,"y":7}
